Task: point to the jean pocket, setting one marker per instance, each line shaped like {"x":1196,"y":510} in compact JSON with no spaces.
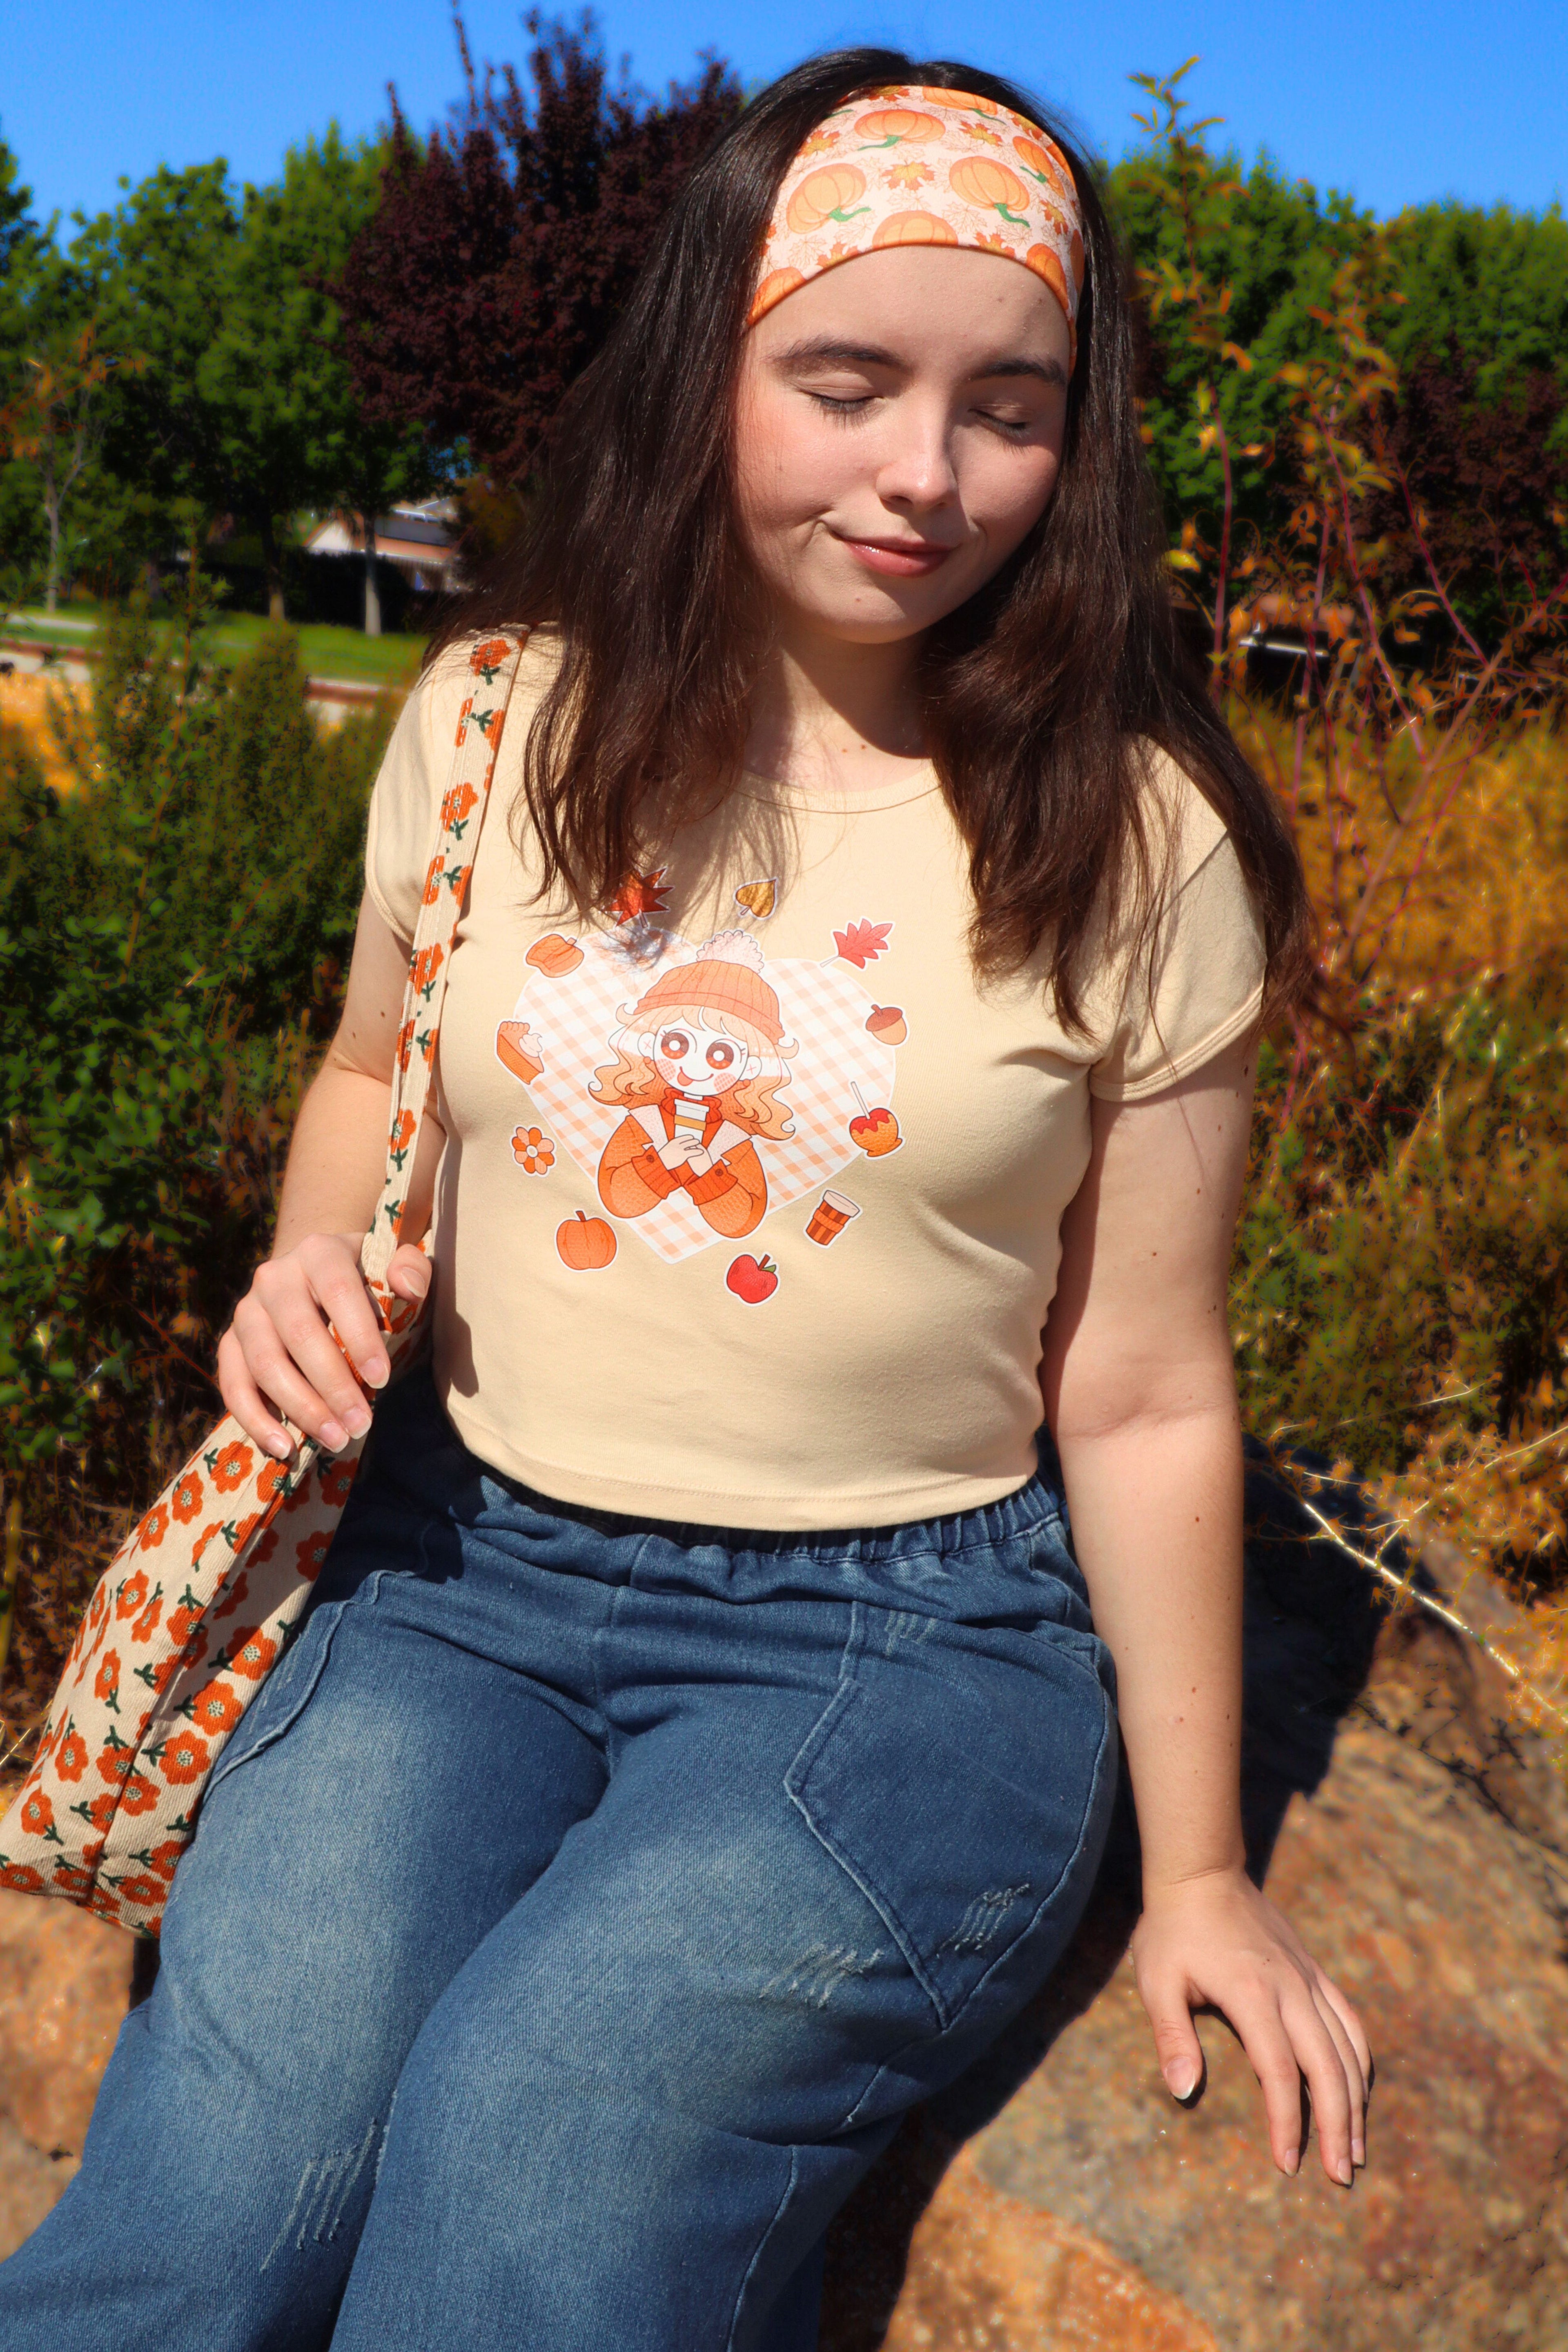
{"x":964,"y":1784}
{"x":283,"y":1696}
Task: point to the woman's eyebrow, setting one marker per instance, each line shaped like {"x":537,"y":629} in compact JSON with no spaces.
{"x":818,"y":350}
{"x":820,"y":347}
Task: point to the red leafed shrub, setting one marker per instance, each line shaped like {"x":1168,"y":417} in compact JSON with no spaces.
{"x":505,"y":246}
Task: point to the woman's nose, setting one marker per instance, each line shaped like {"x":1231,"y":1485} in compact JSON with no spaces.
{"x":917,"y":469}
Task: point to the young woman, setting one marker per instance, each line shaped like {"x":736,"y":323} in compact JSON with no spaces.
{"x":700,"y":1743}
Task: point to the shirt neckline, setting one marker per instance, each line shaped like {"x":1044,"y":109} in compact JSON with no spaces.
{"x":921,"y":782}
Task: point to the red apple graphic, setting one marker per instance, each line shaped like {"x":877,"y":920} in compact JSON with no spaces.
{"x":752,"y":1279}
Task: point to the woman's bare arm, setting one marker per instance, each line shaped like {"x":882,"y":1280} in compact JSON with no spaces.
{"x":277,"y":1353}
{"x":1141,"y":1396}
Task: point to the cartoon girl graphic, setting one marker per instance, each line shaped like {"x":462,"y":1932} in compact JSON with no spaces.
{"x":700,"y":1061}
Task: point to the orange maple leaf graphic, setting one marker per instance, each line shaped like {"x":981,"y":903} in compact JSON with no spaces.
{"x":862,"y":944}
{"x":640,"y":894}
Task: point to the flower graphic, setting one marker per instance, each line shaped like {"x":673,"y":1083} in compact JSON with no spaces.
{"x":138,"y":1888}
{"x":186,"y":1756}
{"x":337,"y":1477}
{"x":251,"y":1651}
{"x":454,"y":807}
{"x":154,"y":1526}
{"x":186,"y":1499}
{"x":533,"y":1151}
{"x":308,"y":1554}
{"x":216,"y":1708}
{"x":132,"y":1595}
{"x":138,"y":1796}
{"x":232,"y":1467}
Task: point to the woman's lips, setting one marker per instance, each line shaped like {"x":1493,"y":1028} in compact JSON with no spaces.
{"x":900,"y":559}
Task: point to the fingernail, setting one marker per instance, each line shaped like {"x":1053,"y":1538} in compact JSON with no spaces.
{"x":1358,"y":2152}
{"x":357,"y":1420}
{"x":1344,"y":2173}
{"x":1182,"y":2082}
{"x":378,"y":1371}
{"x":1292,"y":2160}
{"x":333,"y":1435}
{"x":279,"y":1449}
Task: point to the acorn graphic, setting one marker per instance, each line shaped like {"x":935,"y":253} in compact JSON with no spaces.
{"x":886,"y":1024}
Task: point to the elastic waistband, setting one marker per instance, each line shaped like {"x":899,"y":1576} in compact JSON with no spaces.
{"x":1031,"y":1506}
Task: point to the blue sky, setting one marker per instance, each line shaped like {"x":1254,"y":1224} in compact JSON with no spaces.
{"x":1395,"y":100}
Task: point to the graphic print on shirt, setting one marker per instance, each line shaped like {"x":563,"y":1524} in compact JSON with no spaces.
{"x":703,"y":1086}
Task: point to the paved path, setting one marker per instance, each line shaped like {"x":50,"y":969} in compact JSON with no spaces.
{"x":332,"y":697}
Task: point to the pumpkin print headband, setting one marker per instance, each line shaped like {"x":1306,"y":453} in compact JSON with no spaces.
{"x":924,"y":167}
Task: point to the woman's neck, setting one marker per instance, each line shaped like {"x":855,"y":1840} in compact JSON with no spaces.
{"x":834,"y":717}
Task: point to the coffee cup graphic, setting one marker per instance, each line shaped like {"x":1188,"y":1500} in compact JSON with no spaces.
{"x":829,"y":1217}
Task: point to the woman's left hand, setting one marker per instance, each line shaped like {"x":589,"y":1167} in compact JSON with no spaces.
{"x":1215,"y":1941}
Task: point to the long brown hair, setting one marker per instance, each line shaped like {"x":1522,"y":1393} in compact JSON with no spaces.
{"x":1040,"y":693}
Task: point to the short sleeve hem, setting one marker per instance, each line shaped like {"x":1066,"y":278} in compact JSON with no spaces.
{"x":1182,"y":1065}
{"x":374,"y":890}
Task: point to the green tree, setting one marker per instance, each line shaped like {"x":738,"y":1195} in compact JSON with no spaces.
{"x":20,"y":242}
{"x":246,"y":406}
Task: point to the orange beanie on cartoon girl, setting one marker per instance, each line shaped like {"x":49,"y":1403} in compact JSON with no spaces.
{"x":699,"y":1061}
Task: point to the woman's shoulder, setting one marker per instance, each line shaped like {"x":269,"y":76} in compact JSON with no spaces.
{"x":1183,"y":827}
{"x":1185,"y":975}
{"x":468,"y":665}
{"x":417,"y":766}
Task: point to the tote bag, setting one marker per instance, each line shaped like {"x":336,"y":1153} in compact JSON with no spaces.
{"x":196,"y":1607}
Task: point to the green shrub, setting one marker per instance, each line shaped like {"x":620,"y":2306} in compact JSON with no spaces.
{"x":172,"y":936}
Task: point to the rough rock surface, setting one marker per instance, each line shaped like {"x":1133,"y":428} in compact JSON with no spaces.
{"x":65,"y":1982}
{"x":1420,"y":1841}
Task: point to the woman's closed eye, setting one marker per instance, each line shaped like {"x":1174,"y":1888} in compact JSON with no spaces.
{"x":1009,"y":420}
{"x":842,"y":399}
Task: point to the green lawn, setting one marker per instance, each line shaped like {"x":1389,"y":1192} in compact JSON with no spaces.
{"x":326,"y":651}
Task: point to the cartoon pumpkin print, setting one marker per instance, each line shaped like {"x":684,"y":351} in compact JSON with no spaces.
{"x":914,"y":228}
{"x":981,"y":181}
{"x":587,"y":1244}
{"x":896,"y":126}
{"x":699,"y":1061}
{"x":828,"y":194}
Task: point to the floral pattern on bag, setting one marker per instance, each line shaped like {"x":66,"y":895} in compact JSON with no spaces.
{"x":158,"y":1679}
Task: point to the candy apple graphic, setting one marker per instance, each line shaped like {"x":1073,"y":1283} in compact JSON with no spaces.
{"x":752,"y":1279}
{"x":875,"y":1131}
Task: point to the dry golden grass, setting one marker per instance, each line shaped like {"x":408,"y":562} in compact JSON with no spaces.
{"x":37,"y":708}
{"x":1427,"y":880}
{"x":1440,"y":885}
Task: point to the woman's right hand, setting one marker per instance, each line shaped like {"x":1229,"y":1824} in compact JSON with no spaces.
{"x":278,"y":1354}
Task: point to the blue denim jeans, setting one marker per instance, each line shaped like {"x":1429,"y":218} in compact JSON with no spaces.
{"x":571,"y":1918}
